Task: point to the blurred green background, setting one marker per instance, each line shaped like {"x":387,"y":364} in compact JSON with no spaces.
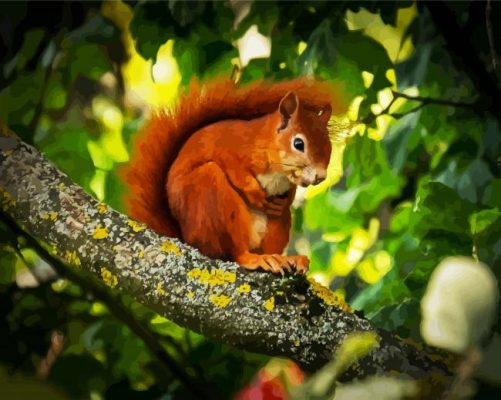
{"x":417,"y":178}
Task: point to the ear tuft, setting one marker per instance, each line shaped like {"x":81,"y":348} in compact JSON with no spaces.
{"x":288,"y":109}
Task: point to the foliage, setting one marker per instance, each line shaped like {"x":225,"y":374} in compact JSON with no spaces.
{"x":420,"y":182}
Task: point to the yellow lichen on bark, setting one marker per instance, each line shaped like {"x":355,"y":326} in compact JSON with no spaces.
{"x":72,"y":258}
{"x":102,"y":208}
{"x":52,"y":215}
{"x":108,"y":277}
{"x":101,"y":232}
{"x":160,"y":289}
{"x":6,"y":199}
{"x":244,"y":288}
{"x":169,"y":247}
{"x":221,"y":300}
{"x":269,"y":304}
{"x":212,"y":278}
{"x":328,"y":296}
{"x":136,"y":226}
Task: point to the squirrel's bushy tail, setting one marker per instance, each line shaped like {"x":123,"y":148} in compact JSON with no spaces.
{"x":160,"y":140}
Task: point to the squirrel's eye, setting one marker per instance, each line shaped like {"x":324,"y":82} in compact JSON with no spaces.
{"x":298,"y":144}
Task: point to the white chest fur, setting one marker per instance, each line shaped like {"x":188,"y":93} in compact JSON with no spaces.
{"x":258,"y":228}
{"x":274,"y":183}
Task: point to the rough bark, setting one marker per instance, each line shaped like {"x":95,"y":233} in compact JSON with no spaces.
{"x":287,"y":316}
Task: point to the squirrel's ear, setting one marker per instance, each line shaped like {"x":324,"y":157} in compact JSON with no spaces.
{"x":287,"y":109}
{"x":325,"y":113}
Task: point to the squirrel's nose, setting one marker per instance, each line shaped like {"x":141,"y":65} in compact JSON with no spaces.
{"x":320,"y":176}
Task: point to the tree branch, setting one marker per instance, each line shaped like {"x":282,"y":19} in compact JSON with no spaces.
{"x":282,"y":316}
{"x":117,"y":309}
{"x":433,"y":100}
{"x":424,"y":102}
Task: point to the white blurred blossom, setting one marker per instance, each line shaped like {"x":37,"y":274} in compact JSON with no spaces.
{"x":459,"y":305}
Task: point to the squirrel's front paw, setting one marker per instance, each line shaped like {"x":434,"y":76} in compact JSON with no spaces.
{"x":275,"y":263}
{"x":275,"y":206}
{"x":257,"y":199}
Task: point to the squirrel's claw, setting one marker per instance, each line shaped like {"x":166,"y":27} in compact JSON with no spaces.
{"x":276,"y":206}
{"x":275,"y":263}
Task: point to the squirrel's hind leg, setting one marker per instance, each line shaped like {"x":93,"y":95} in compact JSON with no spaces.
{"x":212,"y":215}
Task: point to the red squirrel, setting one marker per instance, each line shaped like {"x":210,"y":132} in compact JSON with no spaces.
{"x":220,"y":169}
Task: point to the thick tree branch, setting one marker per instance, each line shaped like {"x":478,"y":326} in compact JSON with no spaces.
{"x":284,"y":316}
{"x":118,"y":309}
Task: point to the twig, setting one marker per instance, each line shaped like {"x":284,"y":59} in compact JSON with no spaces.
{"x":424,"y":102}
{"x":433,"y":100}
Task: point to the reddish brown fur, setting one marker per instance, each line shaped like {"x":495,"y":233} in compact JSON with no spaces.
{"x":177,"y":149}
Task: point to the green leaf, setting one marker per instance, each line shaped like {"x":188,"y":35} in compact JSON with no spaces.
{"x":492,"y":194}
{"x":151,"y":26}
{"x":322,"y":213}
{"x":400,"y":140}
{"x":370,"y":173}
{"x":469,"y":181}
{"x":320,"y":255}
{"x":389,"y":290}
{"x":439,"y":207}
{"x":56,"y":93}
{"x":257,"y":68}
{"x":19,"y":99}
{"x":481,"y":220}
{"x":88,"y":60}
{"x":320,"y":48}
{"x":396,"y":317}
{"x":30,"y":45}
{"x":8,"y":261}
{"x":367,"y":55}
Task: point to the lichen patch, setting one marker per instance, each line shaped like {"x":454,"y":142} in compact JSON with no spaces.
{"x":269,"y":304}
{"x":214,"y":277}
{"x":101,"y":232}
{"x":72,"y":258}
{"x":136,"y":226}
{"x":6,"y":199}
{"x":52,"y":215}
{"x":244,"y":288}
{"x":169,"y":247}
{"x":328,"y":296}
{"x":160,"y":289}
{"x":220,"y":301}
{"x":108,"y":277}
{"x":102,"y":208}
